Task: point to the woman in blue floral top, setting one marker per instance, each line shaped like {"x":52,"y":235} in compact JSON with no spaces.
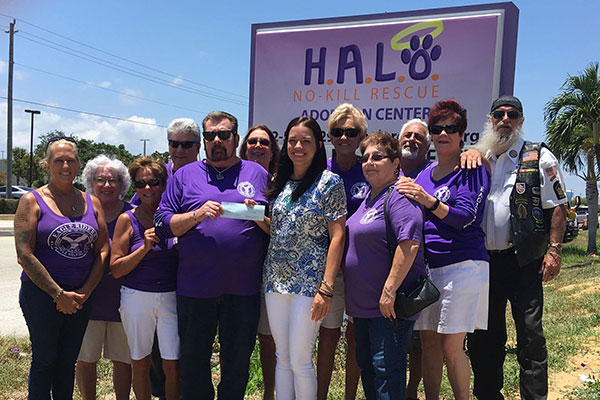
{"x":305,"y":251}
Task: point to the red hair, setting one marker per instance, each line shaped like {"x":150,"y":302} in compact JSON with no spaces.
{"x":448,"y":108}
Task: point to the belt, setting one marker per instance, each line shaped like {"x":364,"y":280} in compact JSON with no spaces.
{"x":498,"y":253}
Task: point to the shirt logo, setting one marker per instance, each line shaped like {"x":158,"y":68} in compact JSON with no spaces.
{"x":520,"y":187}
{"x":246,"y":189}
{"x":72,"y":240}
{"x":359,"y":190}
{"x":443,"y":194}
{"x":369,"y":216}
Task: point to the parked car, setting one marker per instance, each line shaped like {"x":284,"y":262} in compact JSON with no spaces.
{"x":572,"y":228}
{"x":17,"y":191}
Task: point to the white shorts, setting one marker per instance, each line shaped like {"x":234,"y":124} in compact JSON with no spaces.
{"x":335,"y":316}
{"x":108,"y":335}
{"x":263,"y":321}
{"x":463,"y":303}
{"x":144,"y":312}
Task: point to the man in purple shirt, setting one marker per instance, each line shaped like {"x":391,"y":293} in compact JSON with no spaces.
{"x":414,"y":145}
{"x":220,"y":260}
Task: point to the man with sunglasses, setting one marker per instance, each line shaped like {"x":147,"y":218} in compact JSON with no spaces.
{"x":220,"y":260}
{"x":524,"y":221}
{"x":414,"y":145}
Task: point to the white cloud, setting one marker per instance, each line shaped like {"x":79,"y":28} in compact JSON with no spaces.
{"x":18,"y":74}
{"x":126,"y":99}
{"x":103,"y":84}
{"x":3,"y":67}
{"x":177,"y":81}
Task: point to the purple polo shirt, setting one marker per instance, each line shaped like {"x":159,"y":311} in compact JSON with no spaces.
{"x":367,"y":261}
{"x":417,"y":171}
{"x":459,"y":236}
{"x":216,"y":257}
{"x":355,"y":184}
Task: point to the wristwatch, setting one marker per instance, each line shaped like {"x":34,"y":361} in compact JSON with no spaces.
{"x":557,"y":246}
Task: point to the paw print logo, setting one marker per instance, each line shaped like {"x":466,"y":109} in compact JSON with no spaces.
{"x":423,"y":53}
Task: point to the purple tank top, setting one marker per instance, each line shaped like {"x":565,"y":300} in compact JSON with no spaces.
{"x":157,"y":272}
{"x":107,"y":297}
{"x":65,"y":245}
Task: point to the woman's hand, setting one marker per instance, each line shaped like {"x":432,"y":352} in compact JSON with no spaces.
{"x":386,"y":303}
{"x":70,"y":302}
{"x":415,"y":192}
{"x":150,"y":238}
{"x":320,"y":307}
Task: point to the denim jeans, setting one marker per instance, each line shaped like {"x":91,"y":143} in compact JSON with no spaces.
{"x":55,"y":342}
{"x":236,"y":318}
{"x":381,"y":350}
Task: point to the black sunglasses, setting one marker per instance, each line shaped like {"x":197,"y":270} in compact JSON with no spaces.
{"x":512,"y":114}
{"x":449,"y":129}
{"x":223,"y":135}
{"x":349,"y":132}
{"x":57,"y":138}
{"x":150,"y":182}
{"x":374,"y":157}
{"x":186,"y":144}
{"x":263,"y":142}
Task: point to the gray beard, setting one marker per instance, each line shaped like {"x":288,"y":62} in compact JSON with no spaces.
{"x":409,"y":154}
{"x":494,"y":143}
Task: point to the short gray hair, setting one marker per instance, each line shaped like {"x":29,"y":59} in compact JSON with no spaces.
{"x":89,"y":173}
{"x":186,"y":125}
{"x":416,"y":121}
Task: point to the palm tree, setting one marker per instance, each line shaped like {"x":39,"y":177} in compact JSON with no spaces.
{"x":573,"y":130}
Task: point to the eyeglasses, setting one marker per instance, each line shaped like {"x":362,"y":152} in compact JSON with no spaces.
{"x":349,"y":132}
{"x":512,"y":114}
{"x":223,"y":135}
{"x":374,"y":157}
{"x":103,"y":181}
{"x":57,"y":138}
{"x":186,"y":144}
{"x":150,"y":182}
{"x":449,"y":129}
{"x":263,"y":142}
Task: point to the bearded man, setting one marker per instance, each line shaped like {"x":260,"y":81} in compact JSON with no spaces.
{"x":524,"y":221}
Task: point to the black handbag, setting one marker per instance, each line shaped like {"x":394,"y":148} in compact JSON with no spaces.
{"x":425,"y":294}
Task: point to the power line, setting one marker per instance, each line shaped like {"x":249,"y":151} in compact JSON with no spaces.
{"x":85,"y":112}
{"x":109,"y":89}
{"x":135,"y":73}
{"x":124,"y":59}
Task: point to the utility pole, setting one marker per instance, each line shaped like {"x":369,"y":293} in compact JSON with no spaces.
{"x":9,"y":110}
{"x":144,"y":140}
{"x":32,"y":112}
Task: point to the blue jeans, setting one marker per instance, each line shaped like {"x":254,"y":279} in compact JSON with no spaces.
{"x":236,"y":317}
{"x":381,"y":351}
{"x":55,"y":342}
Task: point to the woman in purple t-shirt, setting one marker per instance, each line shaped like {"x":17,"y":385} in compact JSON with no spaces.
{"x":62,"y":245}
{"x":371,"y":279}
{"x":108,"y":180}
{"x":148,"y":266}
{"x":454,"y":249}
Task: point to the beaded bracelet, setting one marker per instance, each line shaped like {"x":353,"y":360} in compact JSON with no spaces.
{"x":60,"y":292}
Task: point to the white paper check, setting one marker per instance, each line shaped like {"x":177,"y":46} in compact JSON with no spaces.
{"x":242,"y":211}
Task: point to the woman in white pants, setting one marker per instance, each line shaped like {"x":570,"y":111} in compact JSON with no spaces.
{"x":305,"y":251}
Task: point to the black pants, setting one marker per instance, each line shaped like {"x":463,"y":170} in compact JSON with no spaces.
{"x":522,"y":286}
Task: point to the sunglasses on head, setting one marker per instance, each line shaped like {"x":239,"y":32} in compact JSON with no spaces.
{"x":449,"y":129}
{"x":57,"y":138}
{"x":263,"y":142}
{"x":150,"y":182}
{"x":185,"y":144}
{"x":374,"y":157}
{"x":512,"y":114}
{"x":223,"y":135}
{"x":349,"y":132}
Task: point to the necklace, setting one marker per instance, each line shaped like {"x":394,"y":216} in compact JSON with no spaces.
{"x":74,"y":199}
{"x":220,"y":173}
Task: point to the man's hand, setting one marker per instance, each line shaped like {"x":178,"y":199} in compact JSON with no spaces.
{"x":551,"y":265}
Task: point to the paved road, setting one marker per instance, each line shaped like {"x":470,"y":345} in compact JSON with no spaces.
{"x":11,"y":317}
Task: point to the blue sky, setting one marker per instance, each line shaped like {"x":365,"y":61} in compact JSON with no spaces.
{"x":209,"y":46}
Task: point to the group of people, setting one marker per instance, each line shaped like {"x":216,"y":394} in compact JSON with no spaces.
{"x":158,"y":277}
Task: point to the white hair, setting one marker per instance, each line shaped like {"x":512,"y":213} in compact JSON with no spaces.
{"x":186,"y":125}
{"x":89,"y":173}
{"x":493,"y":142}
{"x":416,"y":121}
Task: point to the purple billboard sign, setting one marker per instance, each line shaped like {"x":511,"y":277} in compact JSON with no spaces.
{"x":393,"y":66}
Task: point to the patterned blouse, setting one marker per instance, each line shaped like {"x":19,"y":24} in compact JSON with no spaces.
{"x":297,"y":254}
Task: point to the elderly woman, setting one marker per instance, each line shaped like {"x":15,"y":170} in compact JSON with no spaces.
{"x":148,"y":266}
{"x":455,"y":250}
{"x":305,"y":251}
{"x":108,"y":180}
{"x":346,"y":127}
{"x":62,"y":245}
{"x":371,"y":278}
